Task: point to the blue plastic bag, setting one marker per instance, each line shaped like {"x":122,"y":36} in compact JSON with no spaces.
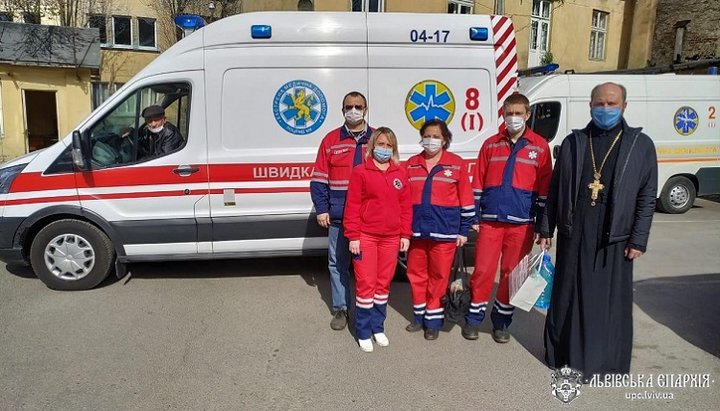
{"x":546,"y":269}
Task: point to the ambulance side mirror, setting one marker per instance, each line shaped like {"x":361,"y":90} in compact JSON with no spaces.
{"x":80,"y":151}
{"x":556,"y":152}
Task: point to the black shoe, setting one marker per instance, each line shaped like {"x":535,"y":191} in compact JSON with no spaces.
{"x":339,"y":320}
{"x":413,"y":327}
{"x":471,"y":331}
{"x":431,"y":334}
{"x":501,"y":336}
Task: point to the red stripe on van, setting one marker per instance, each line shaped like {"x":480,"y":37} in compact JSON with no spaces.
{"x":221,"y":173}
{"x":510,"y":50}
{"x":112,"y":177}
{"x":507,"y":69}
{"x":507,"y":87}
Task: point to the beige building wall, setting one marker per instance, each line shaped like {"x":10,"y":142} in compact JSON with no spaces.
{"x":120,"y":65}
{"x":519,"y":12}
{"x":72,"y":98}
{"x":570,"y":34}
{"x":639,"y":49}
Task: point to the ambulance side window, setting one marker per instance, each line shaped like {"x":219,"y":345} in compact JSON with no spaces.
{"x":121,"y":137}
{"x":545,"y":118}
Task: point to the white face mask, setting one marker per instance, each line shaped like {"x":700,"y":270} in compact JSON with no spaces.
{"x":514,"y":123}
{"x":354,"y":116}
{"x":156,"y":130}
{"x":431,"y":145}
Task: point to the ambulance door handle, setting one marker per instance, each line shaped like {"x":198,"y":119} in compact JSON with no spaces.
{"x":185,"y":170}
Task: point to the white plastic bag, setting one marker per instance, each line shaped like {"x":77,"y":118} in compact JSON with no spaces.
{"x":526,"y":284}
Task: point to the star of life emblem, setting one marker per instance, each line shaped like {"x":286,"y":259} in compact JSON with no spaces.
{"x":566,"y":384}
{"x":532,"y":155}
{"x":397,"y":183}
{"x":448,"y":173}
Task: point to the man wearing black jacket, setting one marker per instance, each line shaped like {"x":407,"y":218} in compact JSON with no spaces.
{"x":601,"y":200}
{"x":159,"y":137}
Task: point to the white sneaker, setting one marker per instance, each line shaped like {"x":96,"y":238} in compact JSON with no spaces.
{"x":381,"y":339}
{"x":366,"y":345}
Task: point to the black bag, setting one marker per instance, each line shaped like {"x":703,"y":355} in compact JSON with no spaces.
{"x":458,"y":296}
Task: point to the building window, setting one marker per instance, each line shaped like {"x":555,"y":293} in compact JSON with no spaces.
{"x":99,"y":21}
{"x":598,"y":35}
{"x":460,"y":6}
{"x":540,"y":26}
{"x":367,"y":5}
{"x":146,"y":33}
{"x":101,"y":92}
{"x":122,"y":31}
{"x":499,"y":7}
{"x":305,"y":5}
{"x":6,"y":16}
{"x":32,"y":18}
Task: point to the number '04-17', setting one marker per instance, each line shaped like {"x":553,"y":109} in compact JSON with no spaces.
{"x":438,"y":36}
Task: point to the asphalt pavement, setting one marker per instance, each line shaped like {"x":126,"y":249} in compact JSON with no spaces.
{"x":254,"y":334}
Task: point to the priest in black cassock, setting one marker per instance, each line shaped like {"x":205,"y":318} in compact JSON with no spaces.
{"x":601,"y":200}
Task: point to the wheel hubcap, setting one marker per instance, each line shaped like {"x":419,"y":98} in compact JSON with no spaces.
{"x":679,"y":196}
{"x":69,"y":257}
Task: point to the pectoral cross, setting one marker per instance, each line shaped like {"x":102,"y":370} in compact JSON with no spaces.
{"x":595,"y":188}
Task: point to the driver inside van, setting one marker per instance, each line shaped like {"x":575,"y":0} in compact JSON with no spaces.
{"x":159,"y":136}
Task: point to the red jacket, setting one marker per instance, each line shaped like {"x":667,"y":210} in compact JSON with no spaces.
{"x":337,"y":155}
{"x":442,"y":198}
{"x":511,"y":184}
{"x":378,"y":202}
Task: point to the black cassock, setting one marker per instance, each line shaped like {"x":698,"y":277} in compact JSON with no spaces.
{"x":589,"y":322}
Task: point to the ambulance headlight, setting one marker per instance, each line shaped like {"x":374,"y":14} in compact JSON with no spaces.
{"x":7,"y":176}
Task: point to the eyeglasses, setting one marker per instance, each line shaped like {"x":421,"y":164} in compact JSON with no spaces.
{"x":356,"y":107}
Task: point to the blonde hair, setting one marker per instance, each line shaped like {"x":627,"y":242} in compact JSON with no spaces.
{"x":390,"y":136}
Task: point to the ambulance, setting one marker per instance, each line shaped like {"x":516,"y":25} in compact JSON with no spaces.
{"x":679,"y":113}
{"x":252,"y":95}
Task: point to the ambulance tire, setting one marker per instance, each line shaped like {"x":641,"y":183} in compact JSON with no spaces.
{"x":89,"y":245}
{"x":677,"y":196}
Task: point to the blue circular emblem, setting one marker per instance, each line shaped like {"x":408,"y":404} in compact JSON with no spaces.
{"x":428,"y":100}
{"x":299,"y":107}
{"x":686,"y":120}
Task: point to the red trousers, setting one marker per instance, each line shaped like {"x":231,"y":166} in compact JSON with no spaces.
{"x":429,"y":264}
{"x":374,"y":270}
{"x":508,"y":243}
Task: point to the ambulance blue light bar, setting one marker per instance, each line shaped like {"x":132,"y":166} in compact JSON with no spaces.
{"x":548,"y":68}
{"x":261,"y":31}
{"x":479,"y":33}
{"x":189,"y":21}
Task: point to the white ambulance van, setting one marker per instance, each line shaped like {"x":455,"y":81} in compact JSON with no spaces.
{"x":252,"y":95}
{"x":679,"y":112}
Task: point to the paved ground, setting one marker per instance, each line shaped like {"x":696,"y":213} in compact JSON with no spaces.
{"x":253,"y":334}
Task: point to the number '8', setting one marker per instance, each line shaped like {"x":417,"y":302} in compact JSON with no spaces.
{"x":472,"y":101}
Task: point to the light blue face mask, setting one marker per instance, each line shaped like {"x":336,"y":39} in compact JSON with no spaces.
{"x":606,"y":117}
{"x":382,"y":154}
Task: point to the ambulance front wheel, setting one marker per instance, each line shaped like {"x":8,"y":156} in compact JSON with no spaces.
{"x":71,"y":255}
{"x":677,"y":196}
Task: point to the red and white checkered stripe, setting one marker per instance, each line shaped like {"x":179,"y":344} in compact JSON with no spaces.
{"x":506,"y":62}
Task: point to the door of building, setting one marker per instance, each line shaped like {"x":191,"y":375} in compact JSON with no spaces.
{"x":41,"y":120}
{"x":539,"y":32}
